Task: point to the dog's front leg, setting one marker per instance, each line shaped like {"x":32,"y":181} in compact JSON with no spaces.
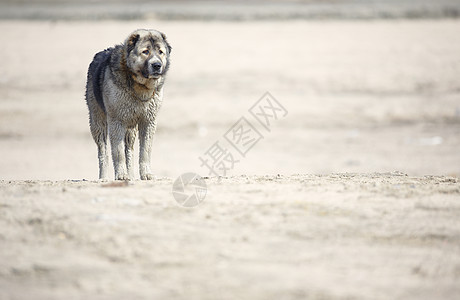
{"x":146,"y":132}
{"x":117,"y":133}
{"x":129,"y":147}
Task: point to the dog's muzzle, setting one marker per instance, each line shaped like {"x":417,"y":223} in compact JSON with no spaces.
{"x":156,"y":67}
{"x":152,"y":70}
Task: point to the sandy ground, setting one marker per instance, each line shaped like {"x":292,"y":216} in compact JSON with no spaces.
{"x":362,"y":97}
{"x":375,"y":236}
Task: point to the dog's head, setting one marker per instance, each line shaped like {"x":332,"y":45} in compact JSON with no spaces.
{"x":147,"y":54}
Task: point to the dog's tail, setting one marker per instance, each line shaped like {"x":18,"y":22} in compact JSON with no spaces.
{"x":97,"y":67}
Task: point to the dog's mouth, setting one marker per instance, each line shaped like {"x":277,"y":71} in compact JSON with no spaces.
{"x":148,"y":75}
{"x":155,"y":75}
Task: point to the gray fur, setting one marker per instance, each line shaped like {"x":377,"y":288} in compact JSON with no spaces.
{"x":124,"y":91}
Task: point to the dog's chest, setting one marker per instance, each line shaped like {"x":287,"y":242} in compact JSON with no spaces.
{"x":131,"y":110}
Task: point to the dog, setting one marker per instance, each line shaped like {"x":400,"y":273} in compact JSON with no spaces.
{"x":124,"y":91}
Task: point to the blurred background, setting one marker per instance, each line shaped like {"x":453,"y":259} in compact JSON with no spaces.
{"x":369,"y":86}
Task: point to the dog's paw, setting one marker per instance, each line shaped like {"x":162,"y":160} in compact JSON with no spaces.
{"x":121,"y":177}
{"x":148,"y":176}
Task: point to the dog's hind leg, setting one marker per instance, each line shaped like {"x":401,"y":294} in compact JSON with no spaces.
{"x":99,"y":133}
{"x":103,"y":159}
{"x":129,"y":148}
{"x":117,"y":134}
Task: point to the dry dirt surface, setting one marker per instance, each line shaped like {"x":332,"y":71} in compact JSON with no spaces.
{"x":340,"y":236}
{"x":361,"y":97}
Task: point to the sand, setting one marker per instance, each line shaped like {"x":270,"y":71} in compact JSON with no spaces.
{"x":374,"y":236}
{"x":373,"y":109}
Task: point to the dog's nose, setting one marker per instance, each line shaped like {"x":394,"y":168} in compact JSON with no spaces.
{"x":156,"y":66}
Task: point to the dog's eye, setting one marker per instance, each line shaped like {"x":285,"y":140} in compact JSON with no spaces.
{"x":161,"y":52}
{"x":146,"y":52}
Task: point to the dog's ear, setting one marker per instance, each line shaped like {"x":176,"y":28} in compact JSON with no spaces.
{"x":131,"y":42}
{"x":166,"y":42}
